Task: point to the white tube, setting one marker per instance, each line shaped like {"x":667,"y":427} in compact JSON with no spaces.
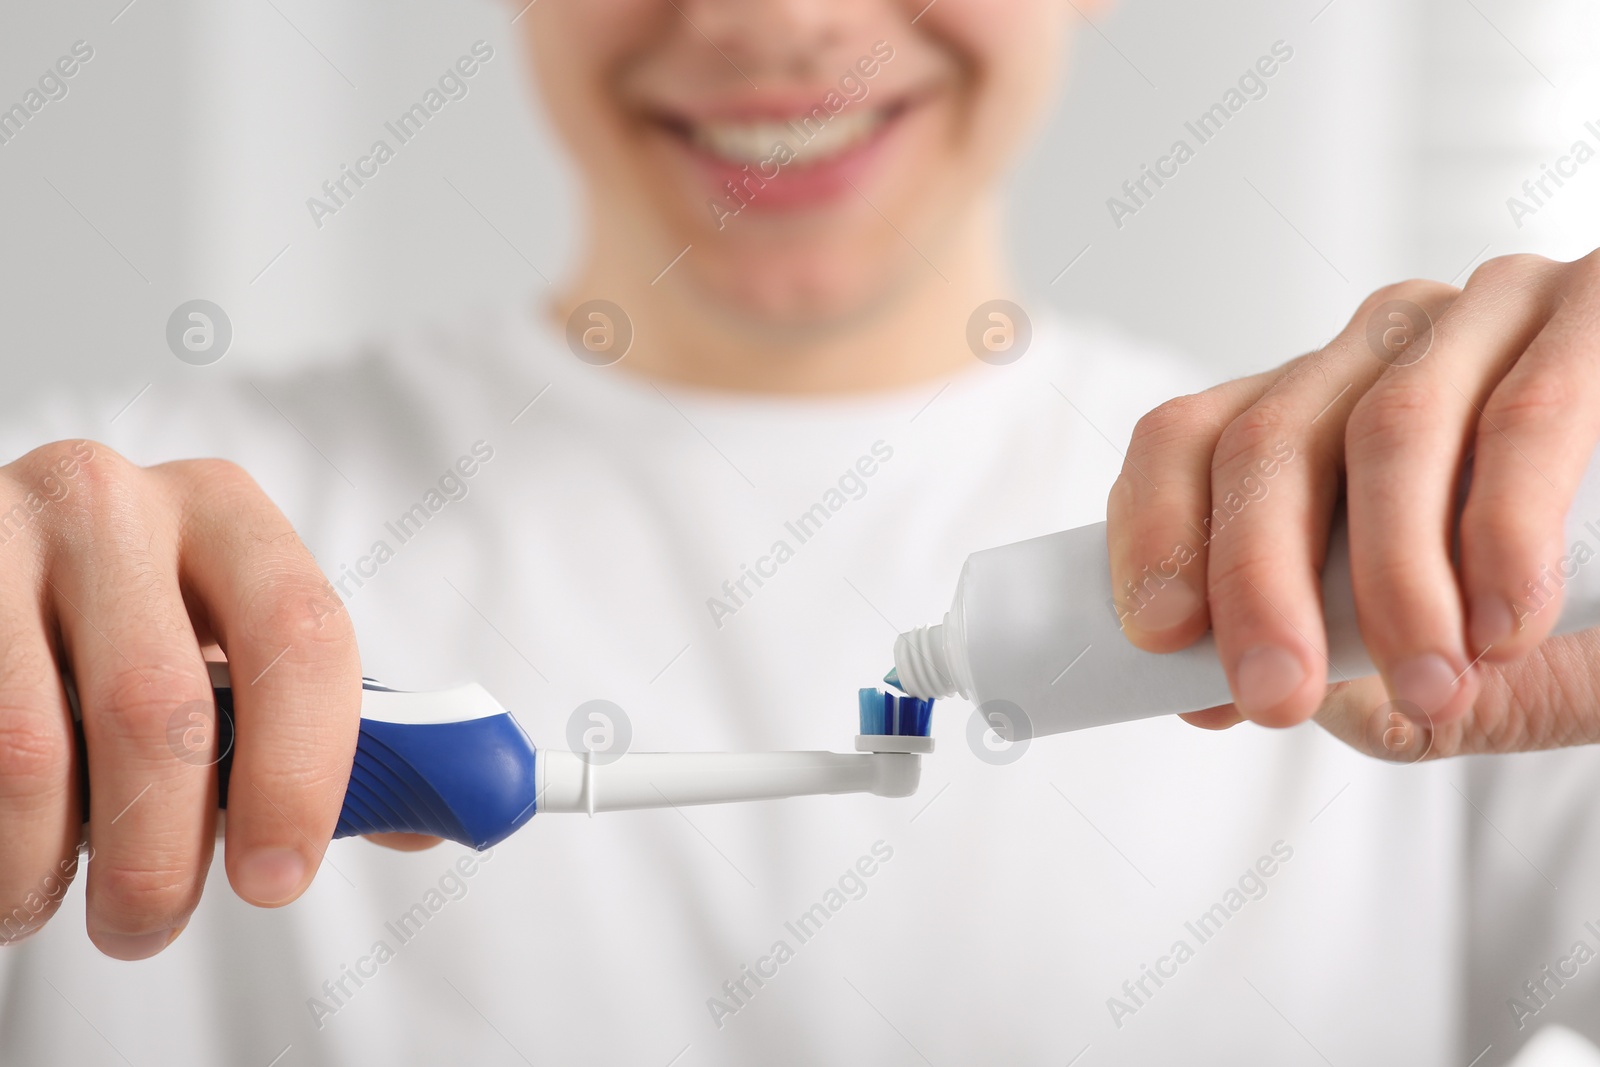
{"x":571,"y":782}
{"x":1033,"y":637}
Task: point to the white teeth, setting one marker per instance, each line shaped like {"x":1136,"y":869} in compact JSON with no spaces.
{"x":809,"y":138}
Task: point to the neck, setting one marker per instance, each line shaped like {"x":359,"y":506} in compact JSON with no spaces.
{"x":913,"y":334}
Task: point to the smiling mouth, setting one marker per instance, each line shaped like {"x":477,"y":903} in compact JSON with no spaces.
{"x":811,"y":138}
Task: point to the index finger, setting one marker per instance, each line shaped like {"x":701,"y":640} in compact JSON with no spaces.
{"x":296,"y":678}
{"x":1158,"y":515}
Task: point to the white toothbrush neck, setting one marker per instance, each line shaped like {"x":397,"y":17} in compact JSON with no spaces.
{"x":571,"y":782}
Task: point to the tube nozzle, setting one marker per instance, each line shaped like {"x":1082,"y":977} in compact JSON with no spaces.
{"x":920,"y":667}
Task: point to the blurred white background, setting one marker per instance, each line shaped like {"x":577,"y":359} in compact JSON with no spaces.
{"x":180,"y":163}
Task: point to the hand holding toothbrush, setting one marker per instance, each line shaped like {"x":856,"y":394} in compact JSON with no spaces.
{"x":137,"y":570}
{"x":124,"y":574}
{"x":1451,"y":428}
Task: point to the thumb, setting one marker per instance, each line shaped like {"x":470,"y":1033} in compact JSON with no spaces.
{"x":404,"y":842}
{"x":1361,"y":714}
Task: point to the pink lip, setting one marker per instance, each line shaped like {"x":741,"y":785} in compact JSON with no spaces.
{"x":794,"y":186}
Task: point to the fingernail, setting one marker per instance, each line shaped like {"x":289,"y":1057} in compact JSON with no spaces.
{"x":271,"y":875}
{"x":1172,"y":604}
{"x":134,"y":946}
{"x":1427,"y":681}
{"x":1264,"y":677}
{"x":1490,"y":623}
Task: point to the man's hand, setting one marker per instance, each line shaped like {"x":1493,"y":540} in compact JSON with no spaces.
{"x":121,"y":575}
{"x":1228,"y":496}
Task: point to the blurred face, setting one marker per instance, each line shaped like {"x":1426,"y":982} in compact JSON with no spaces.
{"x":812,"y":152}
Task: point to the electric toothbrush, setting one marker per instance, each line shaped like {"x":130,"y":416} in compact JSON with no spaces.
{"x":455,"y":764}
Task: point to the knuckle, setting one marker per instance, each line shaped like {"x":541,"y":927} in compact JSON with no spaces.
{"x":220,"y":501}
{"x":1512,"y":269}
{"x":289,"y":606}
{"x":1258,"y":430}
{"x":92,"y":490}
{"x":1179,"y":418}
{"x":220,"y":482}
{"x":1387,"y":587}
{"x":1540,"y":400}
{"x":138,"y":702}
{"x":1423,"y":291}
{"x":145,"y":889}
{"x":51,"y":475}
{"x":306,"y":793}
{"x":1320,"y":364}
{"x":1386,"y":417}
{"x":34,"y":754}
{"x":1234,"y":575}
{"x":65,"y":457}
{"x":209,"y":469}
{"x":1505,"y":530}
{"x":212,"y":499}
{"x":92,"y":466}
{"x":1249,"y":593}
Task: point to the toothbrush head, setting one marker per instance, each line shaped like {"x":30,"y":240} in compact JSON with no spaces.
{"x":893,"y":723}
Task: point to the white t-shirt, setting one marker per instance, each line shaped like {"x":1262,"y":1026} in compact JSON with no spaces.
{"x":1102,"y":897}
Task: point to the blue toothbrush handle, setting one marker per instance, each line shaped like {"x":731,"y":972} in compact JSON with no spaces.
{"x":470,"y":781}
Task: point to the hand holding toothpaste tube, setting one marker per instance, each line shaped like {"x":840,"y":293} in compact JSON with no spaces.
{"x":1452,"y":430}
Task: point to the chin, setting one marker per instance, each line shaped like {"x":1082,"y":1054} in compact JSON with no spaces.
{"x":805,"y":290}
